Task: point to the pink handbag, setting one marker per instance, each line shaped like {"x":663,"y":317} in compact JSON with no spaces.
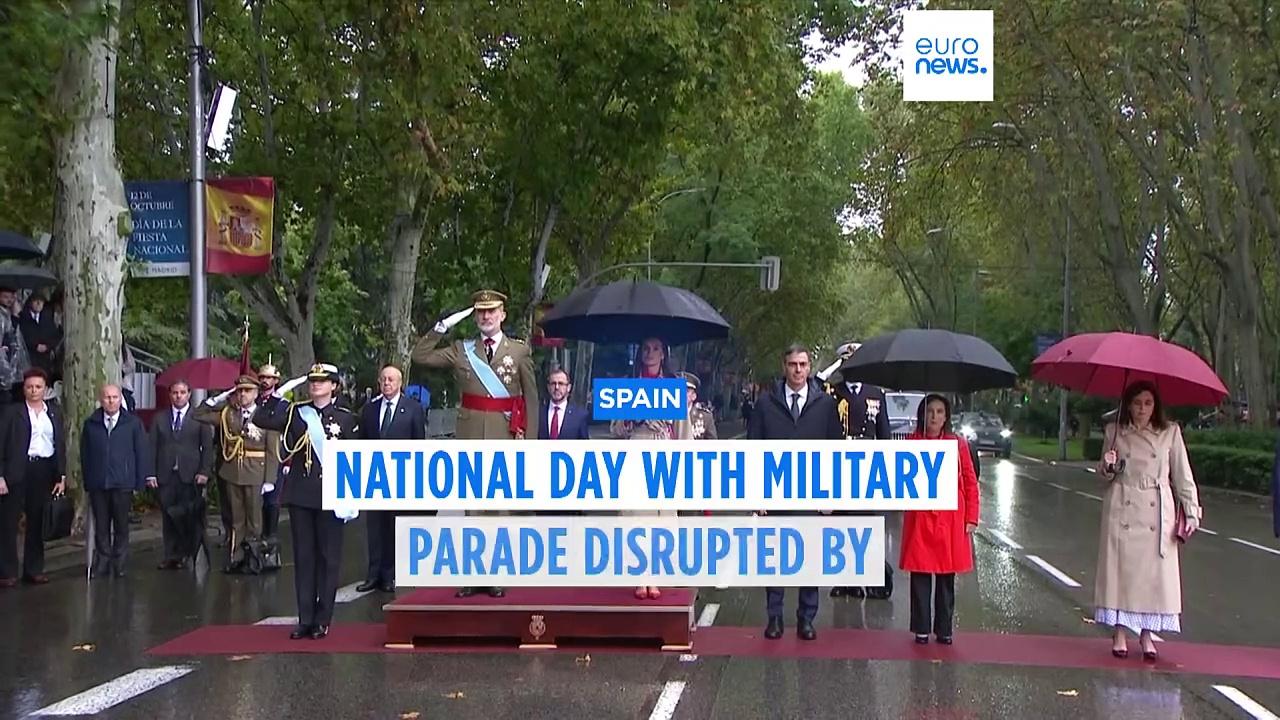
{"x":1181,"y":529}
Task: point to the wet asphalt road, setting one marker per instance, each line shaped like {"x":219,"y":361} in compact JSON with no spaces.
{"x":1230,"y":591}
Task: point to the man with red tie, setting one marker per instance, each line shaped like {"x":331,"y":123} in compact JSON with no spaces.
{"x":560,"y":419}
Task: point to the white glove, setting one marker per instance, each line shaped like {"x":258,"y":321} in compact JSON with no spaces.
{"x":268,"y":487}
{"x":219,"y":398}
{"x":826,"y":373}
{"x":291,"y":384}
{"x":447,"y":324}
{"x":346,"y":515}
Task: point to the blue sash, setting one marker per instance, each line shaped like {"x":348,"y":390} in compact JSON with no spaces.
{"x":486,"y":374}
{"x":315,"y":432}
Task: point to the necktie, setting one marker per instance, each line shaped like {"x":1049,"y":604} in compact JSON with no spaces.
{"x":111,"y":425}
{"x":555,"y":422}
{"x":488,"y":348}
{"x":795,"y":406}
{"x":177,"y":421}
{"x":386,"y":418}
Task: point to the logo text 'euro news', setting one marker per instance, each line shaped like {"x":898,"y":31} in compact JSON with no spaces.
{"x":947,"y":56}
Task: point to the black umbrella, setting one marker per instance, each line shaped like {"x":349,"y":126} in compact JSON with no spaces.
{"x":25,"y":277}
{"x":929,"y":360}
{"x":17,"y":247}
{"x":632,"y":310}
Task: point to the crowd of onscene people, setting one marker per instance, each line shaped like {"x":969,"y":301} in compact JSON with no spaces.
{"x":263,"y":451}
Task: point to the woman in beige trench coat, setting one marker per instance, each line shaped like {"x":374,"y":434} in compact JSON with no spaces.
{"x":651,"y":362}
{"x":1139,"y":585}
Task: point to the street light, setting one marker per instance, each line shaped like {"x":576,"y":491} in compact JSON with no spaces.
{"x":1066,"y":296}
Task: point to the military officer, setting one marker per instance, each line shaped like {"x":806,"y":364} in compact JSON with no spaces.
{"x":863,"y":416}
{"x":317,"y":533}
{"x":493,"y":372}
{"x":268,"y":380}
{"x":702,"y":420}
{"x":247,"y":455}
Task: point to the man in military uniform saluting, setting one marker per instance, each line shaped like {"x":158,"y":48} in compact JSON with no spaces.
{"x":494,"y":373}
{"x":247,"y":459}
{"x":702,"y":421}
{"x":863,"y":416}
{"x":316,"y":532}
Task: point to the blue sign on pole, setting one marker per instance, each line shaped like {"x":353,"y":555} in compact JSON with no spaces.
{"x":1044,"y":341}
{"x":639,"y":399}
{"x":159,"y":243}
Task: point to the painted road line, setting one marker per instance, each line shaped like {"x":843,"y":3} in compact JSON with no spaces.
{"x":278,"y":620}
{"x":708,"y":615}
{"x":1264,"y":548}
{"x":1028,"y":457}
{"x":1005,"y":539}
{"x":1092,"y":470}
{"x":347,"y":593}
{"x":1064,"y":488}
{"x":1062,"y":577}
{"x":1246,"y":703}
{"x":122,"y":689}
{"x":1207,"y":531}
{"x":668,"y":700}
{"x":1081,"y":493}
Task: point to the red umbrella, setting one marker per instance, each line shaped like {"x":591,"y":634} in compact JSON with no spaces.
{"x":202,"y":373}
{"x":1104,"y":364}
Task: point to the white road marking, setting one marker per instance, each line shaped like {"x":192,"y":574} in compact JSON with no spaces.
{"x":1081,"y":493}
{"x":1060,"y":487}
{"x":278,"y":620}
{"x":1028,"y":457}
{"x":1207,"y":531}
{"x":688,"y":658}
{"x":347,"y":593}
{"x":112,"y":693}
{"x":1092,"y":470}
{"x":668,"y":700}
{"x":1264,"y":548}
{"x":1246,"y":703}
{"x":1062,"y":577}
{"x":708,"y":614}
{"x":1005,"y":539}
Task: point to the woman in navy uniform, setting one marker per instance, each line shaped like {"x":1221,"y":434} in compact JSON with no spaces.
{"x":317,"y":533}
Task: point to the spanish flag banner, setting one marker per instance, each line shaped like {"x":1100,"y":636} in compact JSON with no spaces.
{"x":238,"y":215}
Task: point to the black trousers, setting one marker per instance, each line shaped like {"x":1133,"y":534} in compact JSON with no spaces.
{"x":317,"y":559}
{"x":110,"y":528}
{"x":888,"y":568}
{"x":181,"y":536}
{"x":30,"y":496}
{"x":271,"y":511}
{"x":224,"y":510}
{"x":380,"y":525}
{"x":942,"y":588}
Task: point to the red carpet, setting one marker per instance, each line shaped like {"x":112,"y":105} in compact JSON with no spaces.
{"x":544,"y":597}
{"x":832,"y":644}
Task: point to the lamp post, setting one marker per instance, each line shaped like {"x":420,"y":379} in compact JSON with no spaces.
{"x":1063,"y":419}
{"x":196,"y":223}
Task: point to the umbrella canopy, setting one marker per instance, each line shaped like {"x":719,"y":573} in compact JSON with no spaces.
{"x":1104,"y":364}
{"x":632,"y":310}
{"x":25,"y":277}
{"x":202,"y":373}
{"x":18,"y":247}
{"x":929,"y":360}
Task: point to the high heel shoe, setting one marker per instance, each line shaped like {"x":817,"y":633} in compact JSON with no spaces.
{"x":1150,"y":655}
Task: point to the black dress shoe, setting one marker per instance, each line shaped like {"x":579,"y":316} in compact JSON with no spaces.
{"x":857,"y":592}
{"x":319,"y":632}
{"x":367,"y":586}
{"x":774,"y":631}
{"x":805,"y":631}
{"x":497,"y":592}
{"x":922,"y":639}
{"x":837,"y":592}
{"x":302,"y":631}
{"x":465,"y":592}
{"x":120,"y":573}
{"x":945,"y":639}
{"x":387,"y":587}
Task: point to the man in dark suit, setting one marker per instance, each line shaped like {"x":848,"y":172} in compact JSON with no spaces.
{"x":796,"y":409}
{"x":115,"y":461}
{"x":32,"y":469}
{"x":40,"y":331}
{"x":391,"y":416}
{"x":184,"y":454}
{"x":560,"y":419}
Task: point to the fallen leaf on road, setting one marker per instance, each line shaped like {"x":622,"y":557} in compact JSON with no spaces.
{"x":410,"y":715}
{"x":1090,"y":621}
{"x":584,"y":660}
{"x":455,"y":695}
{"x":87,"y":647}
{"x":238,"y":658}
{"x":1069,"y":693}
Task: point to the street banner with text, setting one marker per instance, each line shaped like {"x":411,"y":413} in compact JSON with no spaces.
{"x":159,"y":244}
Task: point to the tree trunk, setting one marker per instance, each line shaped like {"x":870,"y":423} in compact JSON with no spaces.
{"x":91,"y":222}
{"x":539,"y":259}
{"x":406,"y":241}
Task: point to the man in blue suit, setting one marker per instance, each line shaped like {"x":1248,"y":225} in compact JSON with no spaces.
{"x":559,"y":419}
{"x":115,"y":460}
{"x":390,"y":416}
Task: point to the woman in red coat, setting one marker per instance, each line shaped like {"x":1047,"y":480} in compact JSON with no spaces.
{"x":936,"y":543}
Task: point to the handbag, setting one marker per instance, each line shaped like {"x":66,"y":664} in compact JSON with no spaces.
{"x":59,"y":513}
{"x":1181,"y":529}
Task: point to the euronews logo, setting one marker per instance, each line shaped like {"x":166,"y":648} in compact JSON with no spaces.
{"x":948,"y":55}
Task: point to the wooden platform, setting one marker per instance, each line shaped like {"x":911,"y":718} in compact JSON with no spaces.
{"x":542,"y":617}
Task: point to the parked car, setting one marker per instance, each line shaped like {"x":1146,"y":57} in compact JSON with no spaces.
{"x":986,"y":431}
{"x":902,"y":409}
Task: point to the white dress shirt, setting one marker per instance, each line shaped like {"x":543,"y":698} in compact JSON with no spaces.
{"x":388,"y":406}
{"x":41,"y":445}
{"x":111,"y":421}
{"x":497,"y":340}
{"x":854,"y":387}
{"x":802,"y":392}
